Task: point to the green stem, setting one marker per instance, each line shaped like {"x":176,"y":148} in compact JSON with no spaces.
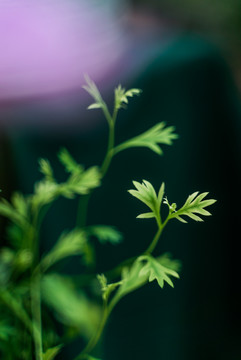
{"x":36,"y":314}
{"x":154,"y":242}
{"x":94,"y":340}
{"x":35,"y":295}
{"x":107,"y":114}
{"x":115,"y":272}
{"x":109,"y":154}
{"x":156,"y":238}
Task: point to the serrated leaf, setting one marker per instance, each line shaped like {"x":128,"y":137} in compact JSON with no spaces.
{"x":106,"y":234}
{"x":102,"y":280}
{"x":21,"y":204}
{"x":12,"y":213}
{"x":146,"y":193}
{"x":45,"y":192}
{"x":51,"y":353}
{"x":132,"y":92}
{"x":92,"y":89}
{"x":46,"y":169}
{"x":156,"y":271}
{"x":131,"y":279}
{"x":71,"y":166}
{"x":121,"y":96}
{"x":82,"y":183}
{"x":194,"y":205}
{"x":79,"y":182}
{"x":69,"y":244}
{"x":167,"y":261}
{"x":71,"y":307}
{"x":158,"y":134}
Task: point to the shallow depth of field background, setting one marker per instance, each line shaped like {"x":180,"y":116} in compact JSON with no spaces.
{"x":186,"y":57}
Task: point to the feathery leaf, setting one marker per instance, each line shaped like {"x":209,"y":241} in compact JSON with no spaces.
{"x":71,"y":166}
{"x":131,"y":279}
{"x":121,"y":96}
{"x":158,"y":134}
{"x":92,"y":89}
{"x":69,"y":244}
{"x":46,"y":169}
{"x":105,"y":234}
{"x":156,"y":271}
{"x":70,"y":306}
{"x":194,"y":205}
{"x":146,"y":193}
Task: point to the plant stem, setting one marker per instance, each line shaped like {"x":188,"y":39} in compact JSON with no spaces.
{"x":109,"y":154}
{"x":108,"y":309}
{"x":107,"y":114}
{"x":94,"y":340}
{"x":154,"y":242}
{"x":35,"y":294}
{"x":36,"y":314}
{"x":115,"y":300}
{"x":116,"y":271}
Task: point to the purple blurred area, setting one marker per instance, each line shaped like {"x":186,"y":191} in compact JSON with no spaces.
{"x":46,"y":46}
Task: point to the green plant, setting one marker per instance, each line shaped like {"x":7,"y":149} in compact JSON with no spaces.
{"x":31,"y":290}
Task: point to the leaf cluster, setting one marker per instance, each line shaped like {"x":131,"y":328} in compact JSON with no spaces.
{"x":28,"y":283}
{"x":144,"y":269}
{"x":193,"y":205}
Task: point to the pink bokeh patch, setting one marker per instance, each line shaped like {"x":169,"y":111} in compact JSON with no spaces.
{"x":46,"y":46}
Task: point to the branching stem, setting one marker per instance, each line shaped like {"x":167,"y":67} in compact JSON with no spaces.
{"x":108,"y":308}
